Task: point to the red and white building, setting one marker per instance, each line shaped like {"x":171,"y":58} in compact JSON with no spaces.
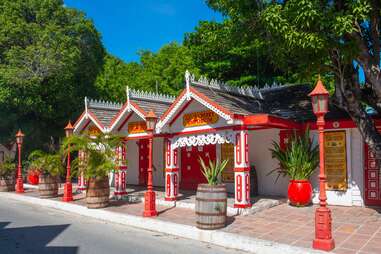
{"x":211,"y":120}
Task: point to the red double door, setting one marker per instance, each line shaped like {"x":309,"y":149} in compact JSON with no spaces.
{"x":372,"y":179}
{"x":191,"y":174}
{"x":143,"y":161}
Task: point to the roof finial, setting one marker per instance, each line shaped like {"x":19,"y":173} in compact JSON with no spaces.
{"x":86,"y":116}
{"x":187,"y":83}
{"x":128,"y":96}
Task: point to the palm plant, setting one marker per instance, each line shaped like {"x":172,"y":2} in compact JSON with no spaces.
{"x":46,"y":163}
{"x":99,"y":150}
{"x":299,"y":159}
{"x":7,"y":168}
{"x":213,"y":171}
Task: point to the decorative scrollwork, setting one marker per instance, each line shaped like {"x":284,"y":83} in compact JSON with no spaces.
{"x":205,"y":139}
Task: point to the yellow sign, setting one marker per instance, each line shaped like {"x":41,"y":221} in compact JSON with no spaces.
{"x":335,"y":154}
{"x":137,"y":127}
{"x":93,"y":131}
{"x":227,"y":152}
{"x":200,"y":118}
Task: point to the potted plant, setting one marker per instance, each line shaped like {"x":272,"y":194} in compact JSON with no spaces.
{"x":33,"y":175}
{"x":297,"y":161}
{"x":7,"y":175}
{"x":50,"y":167}
{"x":211,"y":198}
{"x":96,"y":165}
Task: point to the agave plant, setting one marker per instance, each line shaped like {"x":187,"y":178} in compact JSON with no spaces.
{"x":213,"y":171}
{"x":299,"y":159}
{"x":46,"y":163}
{"x":99,"y":150}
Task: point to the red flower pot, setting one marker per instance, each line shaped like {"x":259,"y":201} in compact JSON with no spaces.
{"x":300,"y":192}
{"x":33,"y":177}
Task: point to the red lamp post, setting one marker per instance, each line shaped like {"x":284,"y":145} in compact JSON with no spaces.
{"x":323,"y":220}
{"x":150,"y":196}
{"x":19,"y":181}
{"x":68,"y":193}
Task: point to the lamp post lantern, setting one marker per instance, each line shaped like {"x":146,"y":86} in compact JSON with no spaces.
{"x":19,"y":181}
{"x":149,"y":196}
{"x":323,"y":220}
{"x":68,"y":193}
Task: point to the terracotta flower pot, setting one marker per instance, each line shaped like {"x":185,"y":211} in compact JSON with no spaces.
{"x":300,"y":192}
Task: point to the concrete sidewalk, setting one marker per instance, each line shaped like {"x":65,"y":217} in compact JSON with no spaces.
{"x":163,"y":225}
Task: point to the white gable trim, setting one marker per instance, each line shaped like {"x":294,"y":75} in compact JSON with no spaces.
{"x":186,"y":97}
{"x":122,"y":114}
{"x":77,"y":127}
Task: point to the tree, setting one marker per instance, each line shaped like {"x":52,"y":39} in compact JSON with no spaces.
{"x":232,"y":53}
{"x":162,"y":72}
{"x":336,"y":38}
{"x":50,"y":56}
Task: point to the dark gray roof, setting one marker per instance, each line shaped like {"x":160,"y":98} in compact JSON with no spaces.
{"x":104,"y":115}
{"x":288,"y":101}
{"x":159,"y":107}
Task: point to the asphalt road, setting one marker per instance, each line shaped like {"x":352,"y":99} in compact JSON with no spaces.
{"x":26,"y":228}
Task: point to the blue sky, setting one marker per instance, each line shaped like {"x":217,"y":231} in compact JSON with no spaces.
{"x":131,"y":25}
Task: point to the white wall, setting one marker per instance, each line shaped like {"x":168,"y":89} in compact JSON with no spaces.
{"x":133,"y":162}
{"x":158,"y":162}
{"x":260,"y":141}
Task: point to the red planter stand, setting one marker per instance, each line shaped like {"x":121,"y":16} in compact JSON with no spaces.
{"x":300,"y":192}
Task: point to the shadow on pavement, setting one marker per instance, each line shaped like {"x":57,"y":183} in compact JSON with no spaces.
{"x":33,"y":240}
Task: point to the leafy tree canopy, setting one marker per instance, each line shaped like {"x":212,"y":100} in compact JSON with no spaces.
{"x":50,"y":56}
{"x":162,"y":71}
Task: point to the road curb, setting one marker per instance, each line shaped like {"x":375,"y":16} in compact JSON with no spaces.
{"x":216,"y":237}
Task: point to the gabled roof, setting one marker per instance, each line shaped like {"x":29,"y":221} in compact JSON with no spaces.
{"x":99,"y":112}
{"x":288,"y":101}
{"x":141,"y":103}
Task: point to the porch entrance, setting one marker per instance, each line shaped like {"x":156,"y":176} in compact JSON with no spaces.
{"x":372,"y":179}
{"x":143,"y":161}
{"x":191,"y":174}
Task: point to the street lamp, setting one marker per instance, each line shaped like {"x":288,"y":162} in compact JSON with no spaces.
{"x":68,"y":194}
{"x":323,"y":220}
{"x":19,"y":181}
{"x":149,"y":196}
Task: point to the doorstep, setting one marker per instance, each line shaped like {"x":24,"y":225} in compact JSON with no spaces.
{"x":157,"y":224}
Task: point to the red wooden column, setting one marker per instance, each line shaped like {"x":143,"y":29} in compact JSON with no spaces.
{"x":171,"y":171}
{"x":81,"y":178}
{"x":120,"y":171}
{"x":241,"y":170}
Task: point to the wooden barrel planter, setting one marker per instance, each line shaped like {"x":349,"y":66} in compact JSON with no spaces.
{"x":47,"y":186}
{"x":7,"y":184}
{"x":97,"y":192}
{"x":211,"y":205}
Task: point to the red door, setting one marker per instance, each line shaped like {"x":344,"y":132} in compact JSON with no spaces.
{"x":191,"y":174}
{"x":372,"y":179}
{"x":143,"y":161}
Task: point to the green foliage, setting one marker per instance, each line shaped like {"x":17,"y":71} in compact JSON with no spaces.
{"x":299,"y":159}
{"x":50,"y":56}
{"x":163,"y":70}
{"x":46,"y":163}
{"x":213,"y":172}
{"x":7,"y":168}
{"x":99,"y":151}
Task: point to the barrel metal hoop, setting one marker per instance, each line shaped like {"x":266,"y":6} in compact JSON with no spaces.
{"x":210,"y":199}
{"x":210,"y":214}
{"x":210,"y":224}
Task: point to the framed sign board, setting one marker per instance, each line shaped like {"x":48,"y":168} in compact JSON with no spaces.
{"x":227,"y":152}
{"x":335,"y":154}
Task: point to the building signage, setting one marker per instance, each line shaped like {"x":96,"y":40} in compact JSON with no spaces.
{"x":137,"y":127}
{"x":227,"y":152}
{"x":335,"y":154}
{"x":93,"y":131}
{"x":200,"y":118}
